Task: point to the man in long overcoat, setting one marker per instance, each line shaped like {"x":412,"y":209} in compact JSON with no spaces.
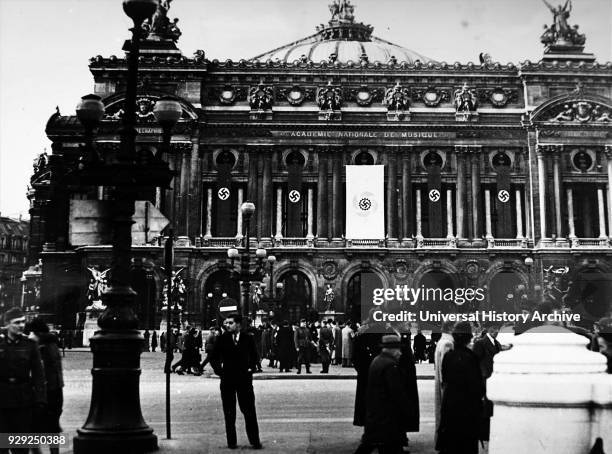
{"x":286,"y":347}
{"x":444,"y":345}
{"x":326,"y":342}
{"x":387,"y":401}
{"x":462,"y":399}
{"x":409,"y":377}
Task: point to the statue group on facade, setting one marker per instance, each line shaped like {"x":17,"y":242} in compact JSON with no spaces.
{"x":465,"y":99}
{"x":397,"y":98}
{"x":583,"y":112}
{"x":329,"y":98}
{"x":261,"y":97}
{"x":560,"y":32}
{"x":342,"y":10}
{"x":97,"y":286}
{"x":160,"y":26}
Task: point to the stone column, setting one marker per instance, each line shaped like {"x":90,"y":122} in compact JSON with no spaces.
{"x":460,"y":194}
{"x":337,"y":207}
{"x":476,"y":192}
{"x":279,"y":213}
{"x":488,"y":214}
{"x":570,"y":213}
{"x":239,"y":234}
{"x":209,"y":196}
{"x":310,"y":234}
{"x":158,"y":197}
{"x":391,"y":194}
{"x":601,"y":214}
{"x":519,"y":215}
{"x":406,"y":193}
{"x":419,"y":225}
{"x":528,"y":232}
{"x":322,"y":230}
{"x":557,"y":191}
{"x":542,"y":191}
{"x":608,"y":153}
{"x":266,"y":190}
{"x":183,"y":221}
{"x":194,"y":209}
{"x":251,"y":195}
{"x":449,"y":213}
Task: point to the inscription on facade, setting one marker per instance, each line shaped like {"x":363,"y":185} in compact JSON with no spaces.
{"x":366,"y":134}
{"x":569,"y":133}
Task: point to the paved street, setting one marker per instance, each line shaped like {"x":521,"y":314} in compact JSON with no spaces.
{"x":298,"y":416}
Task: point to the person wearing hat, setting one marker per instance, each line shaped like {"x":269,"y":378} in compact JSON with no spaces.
{"x":461,"y":410}
{"x":22,"y":380}
{"x":485,"y":348}
{"x":303,"y":343}
{"x":386,"y":400}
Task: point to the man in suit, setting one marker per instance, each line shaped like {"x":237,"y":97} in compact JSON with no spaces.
{"x":234,"y":359}
{"x":485,"y":349}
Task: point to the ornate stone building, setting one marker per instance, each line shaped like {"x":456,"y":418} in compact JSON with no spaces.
{"x":496,"y":175}
{"x":13,"y":259}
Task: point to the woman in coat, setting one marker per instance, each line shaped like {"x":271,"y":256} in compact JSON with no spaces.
{"x":462,"y":398}
{"x":347,"y":345}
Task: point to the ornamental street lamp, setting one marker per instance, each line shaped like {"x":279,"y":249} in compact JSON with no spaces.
{"x":115,"y":422}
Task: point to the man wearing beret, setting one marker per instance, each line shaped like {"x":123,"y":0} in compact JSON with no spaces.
{"x":387,"y":401}
{"x":22,"y":382}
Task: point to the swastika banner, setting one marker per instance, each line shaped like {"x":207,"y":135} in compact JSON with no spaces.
{"x":365,"y":202}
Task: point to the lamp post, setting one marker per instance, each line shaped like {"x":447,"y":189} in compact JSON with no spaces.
{"x":247,"y":209}
{"x":115,"y":422}
{"x":530,"y":286}
{"x":272,"y":261}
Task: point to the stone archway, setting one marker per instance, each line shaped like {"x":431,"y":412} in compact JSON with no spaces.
{"x":358,"y":286}
{"x":296,"y":296}
{"x":218,"y":285}
{"x":506,"y":288}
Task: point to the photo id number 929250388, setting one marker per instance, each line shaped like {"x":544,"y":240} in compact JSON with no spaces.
{"x":31,"y":440}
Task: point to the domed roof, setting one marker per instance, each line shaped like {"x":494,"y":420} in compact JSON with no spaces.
{"x":342,"y":40}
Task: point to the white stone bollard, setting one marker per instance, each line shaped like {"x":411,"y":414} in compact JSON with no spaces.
{"x":551,"y":395}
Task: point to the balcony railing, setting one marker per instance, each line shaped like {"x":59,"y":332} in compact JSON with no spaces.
{"x":436,"y":243}
{"x":507,"y":243}
{"x":589,"y":242}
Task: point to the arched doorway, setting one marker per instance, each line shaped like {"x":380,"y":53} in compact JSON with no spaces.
{"x":295,"y":297}
{"x":359,"y":285}
{"x":219,"y":285}
{"x":437,"y":294}
{"x":506,"y":290}
{"x":590,"y":295}
{"x":143,"y":283}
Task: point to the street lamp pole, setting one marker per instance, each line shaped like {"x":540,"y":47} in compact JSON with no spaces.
{"x":115,"y":422}
{"x":247,"y":208}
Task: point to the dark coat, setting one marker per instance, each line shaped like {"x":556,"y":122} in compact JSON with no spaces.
{"x":231,"y":362}
{"x":22,"y":380}
{"x":286,"y":346}
{"x":366,"y":346}
{"x":485,"y":350}
{"x":420,"y":344}
{"x":461,"y":402}
{"x":387,"y":402}
{"x":47,"y":419}
{"x":409,"y":377}
{"x":154,"y":340}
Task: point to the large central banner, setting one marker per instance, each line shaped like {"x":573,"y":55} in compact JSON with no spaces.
{"x":365,"y":203}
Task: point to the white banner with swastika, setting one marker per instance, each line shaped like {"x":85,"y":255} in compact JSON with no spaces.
{"x":365,"y":202}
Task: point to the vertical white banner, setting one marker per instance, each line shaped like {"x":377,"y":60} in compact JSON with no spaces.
{"x":365,"y":202}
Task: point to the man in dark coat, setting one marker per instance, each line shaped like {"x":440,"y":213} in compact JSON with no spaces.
{"x":409,"y":375}
{"x":462,"y":398}
{"x":234,"y":359}
{"x":366,"y":346}
{"x":303,"y":345}
{"x":420,"y":344}
{"x":286,"y":347}
{"x":485,"y":349}
{"x":22,"y":380}
{"x":47,"y":419}
{"x":337,"y":330}
{"x":387,"y":402}
{"x":147,"y":337}
{"x":153,"y":341}
{"x":326,"y":342}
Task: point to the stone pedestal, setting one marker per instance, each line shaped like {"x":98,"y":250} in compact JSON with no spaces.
{"x":550,"y":395}
{"x":330,"y":315}
{"x":91,"y":323}
{"x":259,"y":318}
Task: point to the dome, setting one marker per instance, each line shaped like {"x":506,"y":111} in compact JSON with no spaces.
{"x":342,"y":40}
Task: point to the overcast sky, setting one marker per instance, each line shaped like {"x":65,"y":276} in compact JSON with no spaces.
{"x":45,"y":46}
